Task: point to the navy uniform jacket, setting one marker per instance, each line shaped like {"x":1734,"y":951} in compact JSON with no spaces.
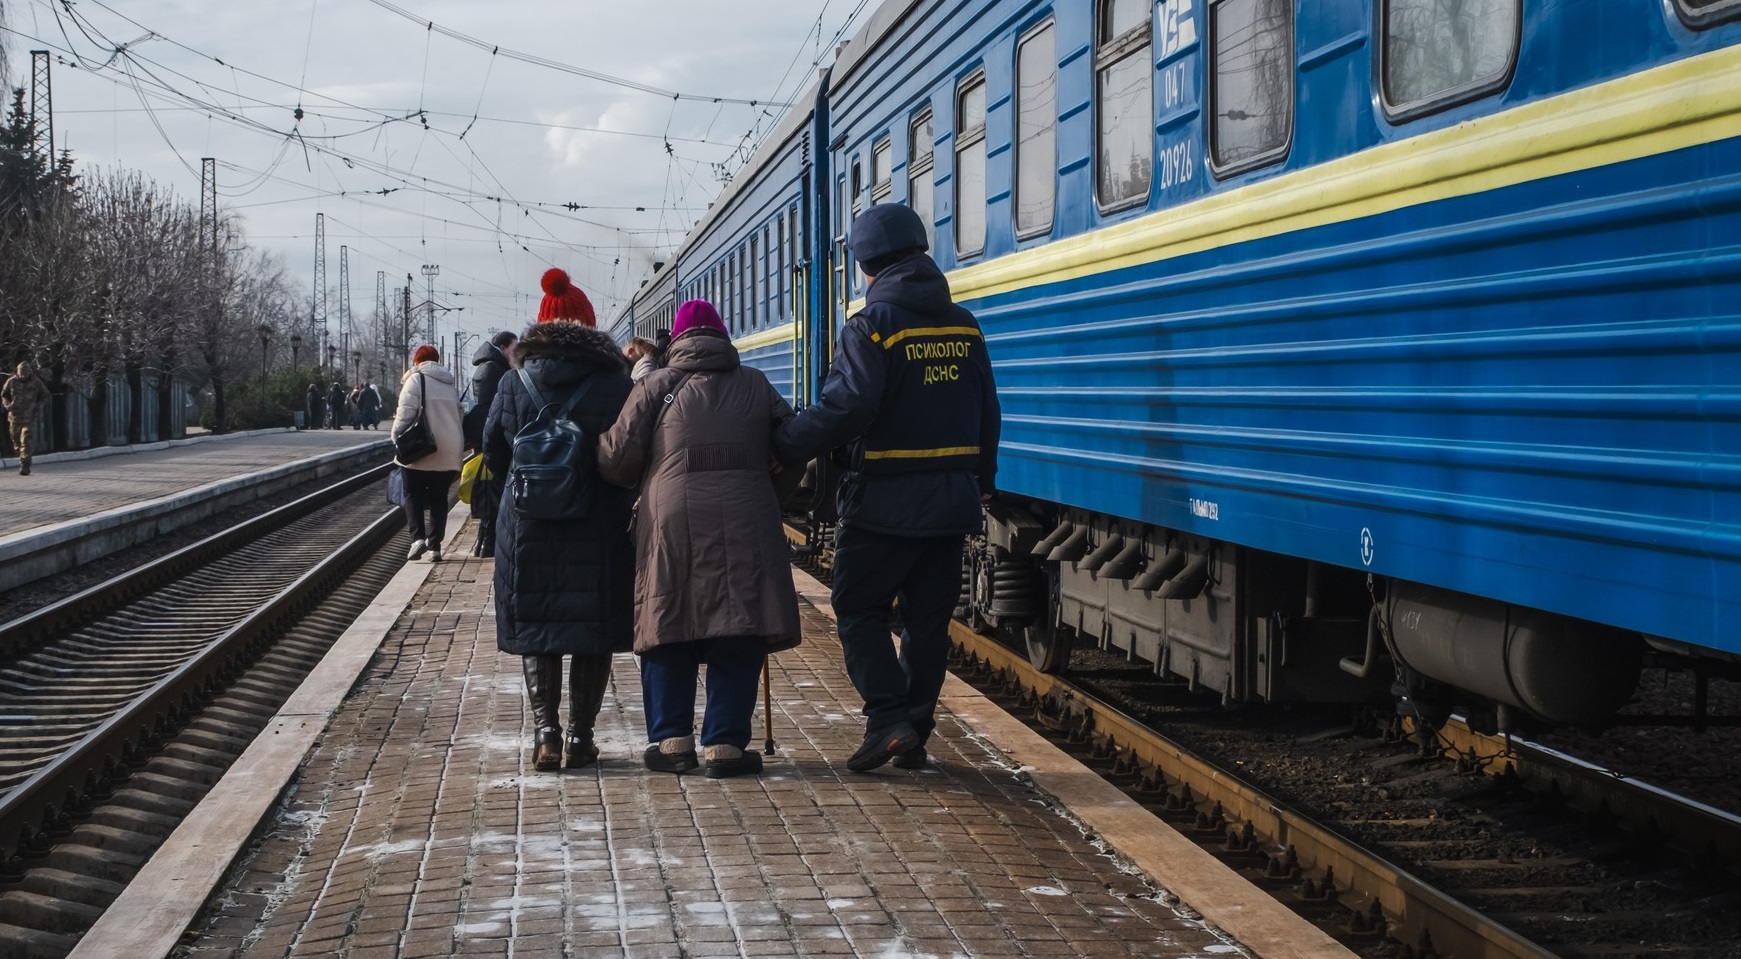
{"x":911,"y":393}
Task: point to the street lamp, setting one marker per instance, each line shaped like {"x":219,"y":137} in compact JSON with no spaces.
{"x":265,"y":331}
{"x":295,"y":350}
{"x":357,"y":364}
{"x":332,"y":359}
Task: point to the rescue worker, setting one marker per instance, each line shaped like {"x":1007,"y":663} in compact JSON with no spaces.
{"x":911,"y":395}
{"x":23,"y":396}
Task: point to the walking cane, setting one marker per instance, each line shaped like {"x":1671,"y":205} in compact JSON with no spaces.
{"x":768,"y":707}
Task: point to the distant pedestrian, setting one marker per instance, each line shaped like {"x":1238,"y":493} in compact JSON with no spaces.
{"x":339,"y":401}
{"x":922,"y":423}
{"x":369,"y":405}
{"x":644,"y":354}
{"x":427,"y":388}
{"x":314,"y":406}
{"x":661,"y":344}
{"x":713,"y":582}
{"x":23,"y":396}
{"x":564,"y":587}
{"x":489,"y":364}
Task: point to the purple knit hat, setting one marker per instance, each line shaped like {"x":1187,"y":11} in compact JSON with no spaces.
{"x":697,"y":315}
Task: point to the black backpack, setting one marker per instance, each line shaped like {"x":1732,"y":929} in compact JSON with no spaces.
{"x":554,"y":462}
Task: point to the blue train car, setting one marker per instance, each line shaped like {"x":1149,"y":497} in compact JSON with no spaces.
{"x":750,"y":254}
{"x":1340,"y":344}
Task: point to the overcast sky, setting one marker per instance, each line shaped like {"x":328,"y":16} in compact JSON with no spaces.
{"x":361,"y":72}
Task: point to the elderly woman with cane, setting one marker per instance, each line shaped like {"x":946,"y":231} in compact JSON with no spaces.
{"x":713,"y":582}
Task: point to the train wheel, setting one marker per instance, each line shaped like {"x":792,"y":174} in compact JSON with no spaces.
{"x":1048,"y":645}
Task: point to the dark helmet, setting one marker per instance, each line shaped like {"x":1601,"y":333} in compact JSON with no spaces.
{"x":886,"y":233}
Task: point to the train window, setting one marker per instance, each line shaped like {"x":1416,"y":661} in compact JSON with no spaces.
{"x":1436,"y":54}
{"x":733,"y":293}
{"x":747,"y":288}
{"x":970,"y":167}
{"x":779,"y":267}
{"x":1124,"y":103}
{"x":1251,"y":84}
{"x":1036,"y":130}
{"x":1703,"y":13}
{"x":920,"y":150}
{"x":857,"y":188}
{"x":882,"y":176}
{"x":753,"y":282}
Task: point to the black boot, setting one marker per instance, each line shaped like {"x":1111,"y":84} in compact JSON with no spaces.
{"x":544,"y":697}
{"x":588,"y":677}
{"x":485,"y":545}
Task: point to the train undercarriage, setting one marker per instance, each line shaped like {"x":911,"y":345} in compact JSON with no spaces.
{"x":1254,"y":627}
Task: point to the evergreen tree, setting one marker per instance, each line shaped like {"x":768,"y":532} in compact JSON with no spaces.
{"x":26,"y":176}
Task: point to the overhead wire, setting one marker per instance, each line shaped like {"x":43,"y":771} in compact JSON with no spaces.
{"x":142,"y":75}
{"x":497,"y":49}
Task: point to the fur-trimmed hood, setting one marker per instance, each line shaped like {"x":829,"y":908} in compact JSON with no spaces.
{"x":573,"y":343}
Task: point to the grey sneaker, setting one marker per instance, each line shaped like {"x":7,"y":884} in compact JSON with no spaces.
{"x":418,"y":548}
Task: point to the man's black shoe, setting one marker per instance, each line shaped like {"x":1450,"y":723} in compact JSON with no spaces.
{"x":882,"y":745}
{"x":911,"y":759}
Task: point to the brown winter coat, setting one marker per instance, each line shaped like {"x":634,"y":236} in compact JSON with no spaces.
{"x":712,"y":559}
{"x":24,"y":396}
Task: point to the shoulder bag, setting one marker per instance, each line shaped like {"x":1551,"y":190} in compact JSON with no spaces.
{"x":416,"y":440}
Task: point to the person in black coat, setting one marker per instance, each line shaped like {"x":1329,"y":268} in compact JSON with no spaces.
{"x":563,"y":587}
{"x":314,"y":406}
{"x":338,"y":403}
{"x":369,"y":405}
{"x":911,"y":395}
{"x":489,"y":365}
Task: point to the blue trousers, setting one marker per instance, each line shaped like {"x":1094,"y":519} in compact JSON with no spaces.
{"x":668,"y":676}
{"x":871,"y":571}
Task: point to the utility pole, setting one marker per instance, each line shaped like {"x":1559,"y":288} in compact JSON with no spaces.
{"x":405,"y":339}
{"x":344,"y":303}
{"x":429,"y":272}
{"x":41,"y":106}
{"x":320,"y":326}
{"x":386,"y":319}
{"x":208,"y":241}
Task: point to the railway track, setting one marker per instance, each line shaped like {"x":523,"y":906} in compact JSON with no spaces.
{"x":122,"y":706}
{"x":1479,"y":848}
{"x":1476,"y":846}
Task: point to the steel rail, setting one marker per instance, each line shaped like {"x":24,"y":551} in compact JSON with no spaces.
{"x":1411,"y":907}
{"x":1699,"y":833}
{"x":42,"y":808}
{"x":21,"y":635}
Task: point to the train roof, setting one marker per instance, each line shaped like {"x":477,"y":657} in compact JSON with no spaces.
{"x":868,"y":36}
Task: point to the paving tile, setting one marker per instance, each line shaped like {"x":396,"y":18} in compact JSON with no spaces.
{"x":417,"y":813}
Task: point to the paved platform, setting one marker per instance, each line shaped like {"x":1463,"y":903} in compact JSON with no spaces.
{"x":75,"y":510}
{"x":416,"y":827}
{"x":57,"y":491}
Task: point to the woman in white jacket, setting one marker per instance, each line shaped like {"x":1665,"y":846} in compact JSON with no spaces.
{"x":428,"y":387}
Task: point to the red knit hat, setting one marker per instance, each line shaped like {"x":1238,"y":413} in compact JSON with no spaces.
{"x":426,"y":354}
{"x":563,"y":300}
